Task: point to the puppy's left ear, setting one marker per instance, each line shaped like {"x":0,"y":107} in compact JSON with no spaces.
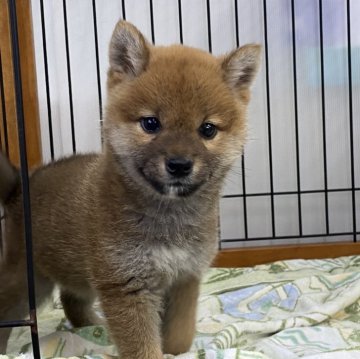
{"x":240,"y":66}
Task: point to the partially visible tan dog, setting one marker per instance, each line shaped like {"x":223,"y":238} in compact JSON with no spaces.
{"x":136,"y":225}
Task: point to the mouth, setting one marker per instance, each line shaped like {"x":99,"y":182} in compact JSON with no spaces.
{"x":178,"y":189}
{"x":172,"y":189}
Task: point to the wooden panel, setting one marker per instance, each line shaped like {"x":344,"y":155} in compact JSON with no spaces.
{"x":246,"y":257}
{"x":2,"y":121}
{"x":29,"y":88}
{"x":8,"y":83}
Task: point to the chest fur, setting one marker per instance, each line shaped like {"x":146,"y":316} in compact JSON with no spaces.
{"x":186,"y":251}
{"x":173,"y":262}
{"x":166,"y":246}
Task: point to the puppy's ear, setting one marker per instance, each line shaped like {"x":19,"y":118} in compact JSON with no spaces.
{"x":129,"y":52}
{"x":240,"y":66}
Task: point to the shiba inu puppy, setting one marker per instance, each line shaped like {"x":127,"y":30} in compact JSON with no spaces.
{"x":135,"y":225}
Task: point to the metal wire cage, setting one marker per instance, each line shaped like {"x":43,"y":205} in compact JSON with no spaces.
{"x":32,"y":322}
{"x":243,"y":195}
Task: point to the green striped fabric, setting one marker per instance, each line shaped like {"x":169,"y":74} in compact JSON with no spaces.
{"x":289,"y":309}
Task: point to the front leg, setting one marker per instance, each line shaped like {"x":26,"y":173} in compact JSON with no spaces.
{"x":180,"y":316}
{"x":133,"y":319}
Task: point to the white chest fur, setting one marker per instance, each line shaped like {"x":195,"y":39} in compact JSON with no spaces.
{"x":171,"y":262}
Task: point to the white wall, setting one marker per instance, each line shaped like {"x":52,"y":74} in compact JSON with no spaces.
{"x":251,"y":29}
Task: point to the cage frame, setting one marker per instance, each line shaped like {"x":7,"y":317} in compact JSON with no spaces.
{"x":20,"y":135}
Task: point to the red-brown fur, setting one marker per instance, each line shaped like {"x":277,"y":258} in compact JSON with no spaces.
{"x":102,"y":228}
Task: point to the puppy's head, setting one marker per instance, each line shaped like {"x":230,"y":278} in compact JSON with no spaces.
{"x":175,"y":119}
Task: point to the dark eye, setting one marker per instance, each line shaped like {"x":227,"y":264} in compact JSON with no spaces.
{"x":150,"y":124}
{"x":208,"y":130}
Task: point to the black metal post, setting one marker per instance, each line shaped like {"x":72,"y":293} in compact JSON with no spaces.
{"x":323,"y":109}
{"x":47,"y":83}
{"x":353,"y":197}
{"x":243,"y":179}
{"x":180,"y":22}
{"x":97,"y":67}
{"x":73,"y":137}
{"x":296,"y":116}
{"x":266,"y":47}
{"x":208,"y":16}
{"x":152,"y":22}
{"x":24,"y":176}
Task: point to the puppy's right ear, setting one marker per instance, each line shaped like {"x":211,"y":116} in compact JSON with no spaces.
{"x":129,"y":52}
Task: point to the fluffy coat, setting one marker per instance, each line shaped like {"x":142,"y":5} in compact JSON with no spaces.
{"x":119,"y":225}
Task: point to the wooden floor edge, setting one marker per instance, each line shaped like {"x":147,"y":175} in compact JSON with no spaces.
{"x":246,"y":257}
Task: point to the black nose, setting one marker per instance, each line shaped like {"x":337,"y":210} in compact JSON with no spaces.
{"x":179,"y":167}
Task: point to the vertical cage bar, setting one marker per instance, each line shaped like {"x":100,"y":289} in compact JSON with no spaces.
{"x":180,"y":22}
{"x":236,"y":23}
{"x":246,"y":233}
{"x":243,"y":155}
{"x":268,"y":107}
{"x":296,"y":115}
{"x":353,"y":198}
{"x":152,"y":22}
{"x":73,"y":138}
{"x":3,"y":110}
{"x":97,"y":66}
{"x":123,"y":9}
{"x":47,"y":85}
{"x":1,"y":234}
{"x":208,"y":16}
{"x":323,"y":109}
{"x":24,"y":176}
